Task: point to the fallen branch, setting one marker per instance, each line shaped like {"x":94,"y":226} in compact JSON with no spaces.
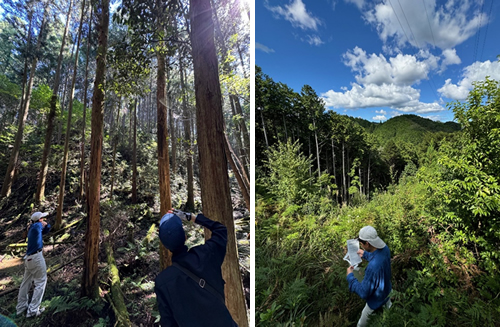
{"x":23,"y":245}
{"x":117,"y":302}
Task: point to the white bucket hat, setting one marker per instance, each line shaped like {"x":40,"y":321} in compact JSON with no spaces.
{"x":37,"y":215}
{"x":369,"y":234}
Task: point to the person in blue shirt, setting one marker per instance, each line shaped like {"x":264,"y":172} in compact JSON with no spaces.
{"x":182,"y":301}
{"x":376,"y":285}
{"x":35,"y":269}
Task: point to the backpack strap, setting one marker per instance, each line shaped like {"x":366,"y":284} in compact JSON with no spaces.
{"x":200,"y":281}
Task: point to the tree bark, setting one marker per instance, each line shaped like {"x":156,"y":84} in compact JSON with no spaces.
{"x":115,"y":143}
{"x":58,"y":223}
{"x":162,"y":140}
{"x":215,"y":191}
{"x":84,"y":123}
{"x":40,"y":192}
{"x":23,"y":114}
{"x":90,"y":286}
{"x":244,"y":185}
{"x":134,"y":158}
{"x":171,"y":120}
{"x":187,"y":143}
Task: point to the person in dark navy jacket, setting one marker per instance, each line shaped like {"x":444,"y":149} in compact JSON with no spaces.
{"x":181,"y":300}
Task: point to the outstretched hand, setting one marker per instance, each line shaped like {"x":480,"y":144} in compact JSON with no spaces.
{"x":185,"y":216}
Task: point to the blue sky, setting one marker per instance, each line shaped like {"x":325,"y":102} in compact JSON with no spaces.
{"x":379,"y":59}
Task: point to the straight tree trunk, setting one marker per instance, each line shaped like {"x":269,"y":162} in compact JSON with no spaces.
{"x":115,"y":143}
{"x":244,"y":187}
{"x":64,"y":102}
{"x":23,"y":114}
{"x":84,"y":123}
{"x":162,"y":140}
{"x":62,"y":187}
{"x":264,"y":127}
{"x":344,"y":185}
{"x":215,"y":191}
{"x":187,"y":143}
{"x":90,"y":286}
{"x":317,"y":147}
{"x":171,"y":120}
{"x":244,"y":133}
{"x":134,"y":157}
{"x":40,"y":192}
{"x":25,"y":71}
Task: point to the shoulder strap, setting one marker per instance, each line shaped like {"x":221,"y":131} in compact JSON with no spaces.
{"x":200,"y":281}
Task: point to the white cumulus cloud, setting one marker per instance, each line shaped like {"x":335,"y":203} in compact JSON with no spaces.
{"x":423,"y":23}
{"x":379,"y":117}
{"x":314,"y":40}
{"x":382,"y":82}
{"x":263,"y":48}
{"x":382,"y":112}
{"x":296,"y":13}
{"x":475,"y":72}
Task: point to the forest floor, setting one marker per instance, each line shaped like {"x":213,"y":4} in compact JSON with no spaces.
{"x":131,"y":229}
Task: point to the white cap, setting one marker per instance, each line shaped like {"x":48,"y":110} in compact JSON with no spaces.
{"x":37,"y":215}
{"x":369,"y":234}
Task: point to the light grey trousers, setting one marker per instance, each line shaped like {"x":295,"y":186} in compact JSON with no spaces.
{"x":365,"y":315}
{"x":35,"y":271}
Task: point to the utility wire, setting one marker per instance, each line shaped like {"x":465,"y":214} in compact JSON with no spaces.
{"x":428,"y":21}
{"x":476,"y":46}
{"x":433,"y":88}
{"x":486,"y":32}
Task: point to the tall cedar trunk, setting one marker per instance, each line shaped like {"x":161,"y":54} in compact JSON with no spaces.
{"x":23,"y":114}
{"x":64,"y":102}
{"x":84,"y":123}
{"x":317,"y":147}
{"x":244,"y":133}
{"x":115,"y":143}
{"x":25,"y":70}
{"x":368,"y":179}
{"x":237,"y":173}
{"x":90,"y":286}
{"x":187,"y":143}
{"x":40,"y":192}
{"x":134,"y":158}
{"x":58,"y":223}
{"x":162,"y":140}
{"x":344,"y":190}
{"x":334,"y":172}
{"x":215,"y":191}
{"x":264,"y":127}
{"x":171,"y":120}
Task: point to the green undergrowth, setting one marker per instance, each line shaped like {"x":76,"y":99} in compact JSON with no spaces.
{"x":300,"y":272}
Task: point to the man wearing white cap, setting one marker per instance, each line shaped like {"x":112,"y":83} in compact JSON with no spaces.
{"x":376,"y":284}
{"x":35,"y":269}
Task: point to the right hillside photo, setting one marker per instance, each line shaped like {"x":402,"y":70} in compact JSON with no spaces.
{"x":377,"y":166}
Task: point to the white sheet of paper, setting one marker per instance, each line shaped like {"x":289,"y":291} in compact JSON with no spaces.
{"x":352,"y":249}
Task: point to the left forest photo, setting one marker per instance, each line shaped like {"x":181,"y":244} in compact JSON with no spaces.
{"x":124,"y":162}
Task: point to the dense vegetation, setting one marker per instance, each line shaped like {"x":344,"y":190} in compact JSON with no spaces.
{"x":438,"y":215}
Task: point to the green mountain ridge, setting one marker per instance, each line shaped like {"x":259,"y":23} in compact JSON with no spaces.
{"x":409,"y":128}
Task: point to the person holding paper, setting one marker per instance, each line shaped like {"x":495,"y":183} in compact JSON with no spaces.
{"x":376,"y":284}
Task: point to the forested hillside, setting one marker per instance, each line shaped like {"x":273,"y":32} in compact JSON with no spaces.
{"x":435,"y":202}
{"x":105,"y":123}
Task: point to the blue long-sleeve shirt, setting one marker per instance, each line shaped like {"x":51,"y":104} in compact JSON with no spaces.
{"x":35,"y":233}
{"x":181,"y":301}
{"x":376,"y":284}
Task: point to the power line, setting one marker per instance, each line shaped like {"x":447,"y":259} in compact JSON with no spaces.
{"x":414,"y":38}
{"x":486,"y":31}
{"x":478,"y":32}
{"x":433,"y":88}
{"x":428,"y":20}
